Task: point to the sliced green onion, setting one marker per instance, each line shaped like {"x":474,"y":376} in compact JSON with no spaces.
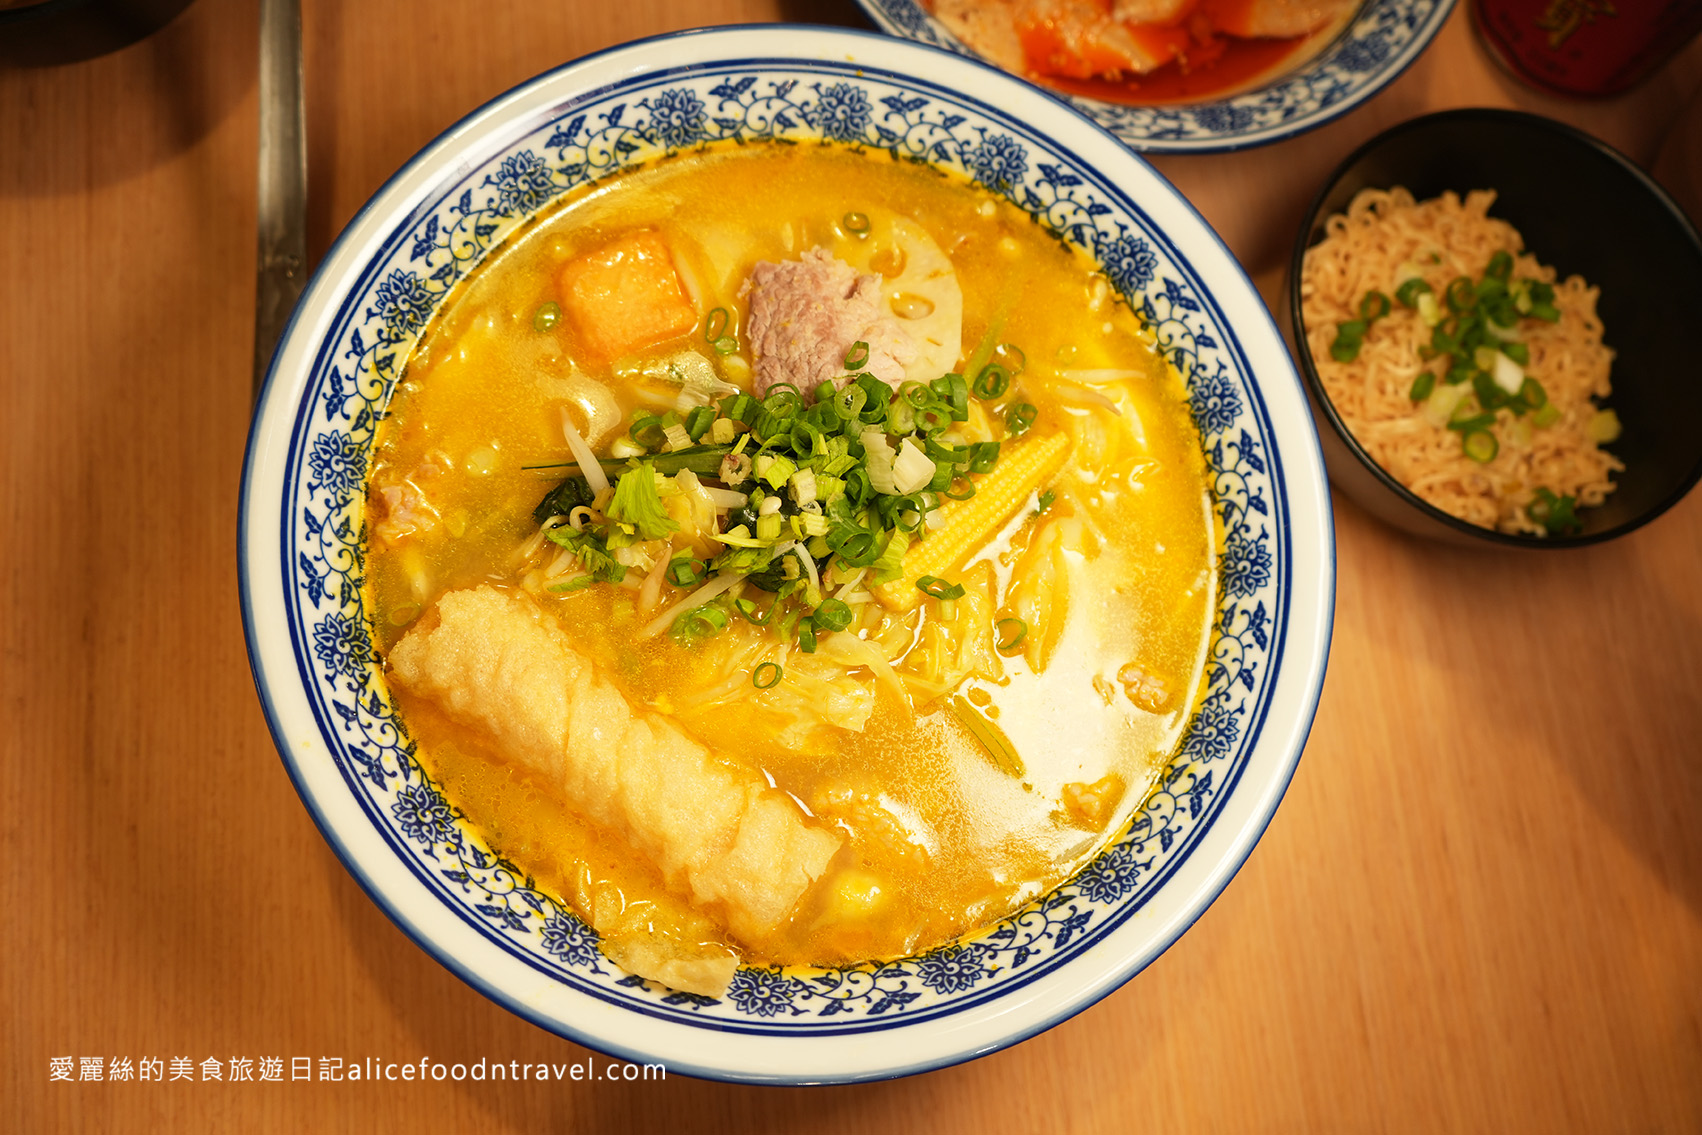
{"x":702,"y":622}
{"x":1019,"y":417}
{"x":547,"y":316}
{"x":726,"y":345}
{"x":945,"y":454}
{"x":767,"y":675}
{"x":936,"y":588}
{"x":1603,"y":427}
{"x":1349,"y":336}
{"x":1410,"y":290}
{"x":683,"y":571}
{"x":747,"y":609}
{"x":832,"y":615}
{"x":1373,"y":306}
{"x":858,"y":356}
{"x":954,"y":392}
{"x":782,"y":400}
{"x":1012,"y":631}
{"x":807,"y":637}
{"x":933,"y":420}
{"x":856,"y":546}
{"x":968,"y":490}
{"x":848,"y":403}
{"x":1518,"y":352}
{"x":1422,"y":386}
{"x":740,"y":407}
{"x":1480,"y":446}
{"x":991,"y":383}
{"x":1489,"y":393}
{"x":1533,"y":394}
{"x":1461,"y":294}
{"x":1011,"y":357}
{"x":716,"y":325}
{"x":1491,"y":292}
{"x":878,"y":397}
{"x":699,"y":421}
{"x":1547,"y":414}
{"x":1465,"y":423}
{"x":647,"y":430}
{"x":1500,"y":266}
{"x":1557,"y":514}
{"x":900,"y":417}
{"x":983,"y":455}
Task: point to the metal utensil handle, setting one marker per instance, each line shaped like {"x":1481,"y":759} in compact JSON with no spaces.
{"x":283,"y":180}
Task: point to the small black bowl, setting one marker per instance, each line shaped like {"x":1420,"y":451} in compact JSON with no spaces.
{"x":1585,"y":209}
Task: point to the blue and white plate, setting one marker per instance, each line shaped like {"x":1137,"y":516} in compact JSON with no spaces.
{"x":324,"y":691}
{"x":1381,"y":41}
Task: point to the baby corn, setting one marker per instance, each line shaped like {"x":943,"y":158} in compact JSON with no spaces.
{"x":1024,"y":467}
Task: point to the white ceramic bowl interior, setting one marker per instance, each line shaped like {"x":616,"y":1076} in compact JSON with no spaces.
{"x":324,"y":692}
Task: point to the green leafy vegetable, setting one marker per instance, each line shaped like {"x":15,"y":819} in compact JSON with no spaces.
{"x":637,"y":503}
{"x":591,"y":552}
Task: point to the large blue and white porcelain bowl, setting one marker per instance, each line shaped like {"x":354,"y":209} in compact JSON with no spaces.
{"x":324,"y":690}
{"x":1378,"y":43}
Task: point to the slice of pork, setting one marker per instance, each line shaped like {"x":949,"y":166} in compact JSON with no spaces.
{"x":806,"y":314}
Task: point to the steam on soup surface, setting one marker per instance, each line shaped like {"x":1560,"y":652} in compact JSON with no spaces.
{"x":787,"y":554}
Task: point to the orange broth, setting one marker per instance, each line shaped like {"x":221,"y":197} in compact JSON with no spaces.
{"x":940,"y":840}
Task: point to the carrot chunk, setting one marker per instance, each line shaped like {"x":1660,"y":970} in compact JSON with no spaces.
{"x":625,"y":296}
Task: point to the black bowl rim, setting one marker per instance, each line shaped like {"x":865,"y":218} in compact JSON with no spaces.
{"x":1308,"y":371}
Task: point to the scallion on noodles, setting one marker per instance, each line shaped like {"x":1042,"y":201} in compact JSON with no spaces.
{"x":1479,"y":456}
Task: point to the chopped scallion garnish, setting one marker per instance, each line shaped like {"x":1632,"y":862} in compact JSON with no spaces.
{"x":832,"y":615}
{"x":1556,"y":513}
{"x":936,"y":588}
{"x":1349,"y":337}
{"x":991,"y":383}
{"x":715,"y":326}
{"x":1480,"y":445}
{"x":1410,"y":290}
{"x":1011,"y":631}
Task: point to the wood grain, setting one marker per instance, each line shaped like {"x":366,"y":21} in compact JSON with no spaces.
{"x":1478,"y":909}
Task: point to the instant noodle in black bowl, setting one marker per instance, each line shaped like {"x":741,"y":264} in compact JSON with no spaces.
{"x":1585,"y":209}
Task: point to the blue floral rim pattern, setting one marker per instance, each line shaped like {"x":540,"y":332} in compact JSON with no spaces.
{"x":1379,"y":43}
{"x":648,"y":116}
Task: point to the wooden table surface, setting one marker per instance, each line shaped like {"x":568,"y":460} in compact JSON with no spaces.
{"x":1478,"y":909}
